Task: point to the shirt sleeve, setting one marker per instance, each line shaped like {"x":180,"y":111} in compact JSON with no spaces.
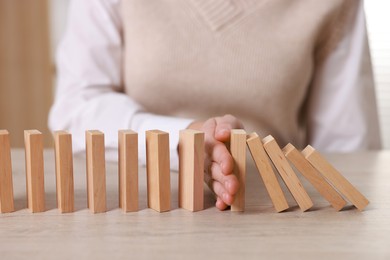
{"x":341,"y":111}
{"x":89,"y":92}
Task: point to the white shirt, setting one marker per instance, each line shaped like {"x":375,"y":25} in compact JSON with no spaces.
{"x":90,"y":93}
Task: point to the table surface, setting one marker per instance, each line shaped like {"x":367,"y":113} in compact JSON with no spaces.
{"x":259,"y":232}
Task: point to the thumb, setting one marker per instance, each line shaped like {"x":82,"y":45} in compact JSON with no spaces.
{"x":222,"y":133}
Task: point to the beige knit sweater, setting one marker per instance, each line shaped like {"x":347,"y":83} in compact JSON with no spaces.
{"x":252,"y":59}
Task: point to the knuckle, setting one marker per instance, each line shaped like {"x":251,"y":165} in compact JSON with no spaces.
{"x":234,"y":121}
{"x":230,"y":116}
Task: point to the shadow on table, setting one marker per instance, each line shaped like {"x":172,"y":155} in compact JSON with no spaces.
{"x":20,"y":202}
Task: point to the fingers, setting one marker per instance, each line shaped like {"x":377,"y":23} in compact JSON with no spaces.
{"x":222,"y":132}
{"x":221,"y":193}
{"x":215,"y":148}
{"x":219,"y":162}
{"x":221,"y":155}
{"x":220,"y":204}
{"x":229,"y":182}
{"x":224,"y":186}
{"x":224,"y":125}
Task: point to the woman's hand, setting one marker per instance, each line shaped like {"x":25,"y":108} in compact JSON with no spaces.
{"x":218,"y":161}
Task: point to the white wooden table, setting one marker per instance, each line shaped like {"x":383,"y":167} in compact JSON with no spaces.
{"x":258,"y":233}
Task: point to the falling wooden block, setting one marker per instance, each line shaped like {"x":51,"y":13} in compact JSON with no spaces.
{"x":287,"y":173}
{"x":191,"y":169}
{"x":266,"y":172}
{"x":6,"y":185}
{"x":64,"y":171}
{"x":238,"y":151}
{"x":96,"y":171}
{"x":335,"y":178}
{"x":128,"y":170}
{"x":33,"y":141}
{"x":314,"y":177}
{"x":158,"y":170}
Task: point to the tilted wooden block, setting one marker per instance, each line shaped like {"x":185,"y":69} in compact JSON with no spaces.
{"x":128,"y":170}
{"x":6,"y":185}
{"x":287,"y":173}
{"x":64,"y":171}
{"x":96,"y":171}
{"x":266,"y":172}
{"x":191,"y":170}
{"x":335,"y":178}
{"x":314,"y":177}
{"x":158,"y":170}
{"x":238,"y":151}
{"x":33,"y":141}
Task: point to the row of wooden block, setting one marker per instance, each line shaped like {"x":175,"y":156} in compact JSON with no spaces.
{"x":327,"y":180}
{"x":191,"y":176}
{"x":310,"y":163}
{"x":191,"y":167}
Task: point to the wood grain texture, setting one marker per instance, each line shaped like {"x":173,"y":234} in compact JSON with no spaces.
{"x":96,"y":171}
{"x":266,"y":172}
{"x":34,"y":170}
{"x":287,"y":173}
{"x":6,"y":184}
{"x":314,"y":177}
{"x":322,"y":233}
{"x":158,"y":170}
{"x":191,"y":170}
{"x":335,"y":178}
{"x":238,"y":151}
{"x":64,"y":171}
{"x":128,"y":170}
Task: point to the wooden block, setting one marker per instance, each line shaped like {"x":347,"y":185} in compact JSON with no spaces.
{"x":314,"y":177}
{"x":128,"y":170}
{"x":266,"y":172}
{"x":6,"y":185}
{"x":191,"y":170}
{"x":335,"y":178}
{"x":287,"y":173}
{"x":238,"y":151}
{"x":64,"y":171}
{"x":96,"y":171}
{"x":33,"y":140}
{"x":158,"y":170}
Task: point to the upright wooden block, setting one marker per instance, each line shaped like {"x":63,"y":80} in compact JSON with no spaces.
{"x":238,"y":151}
{"x":158,"y":170}
{"x":191,"y":170}
{"x":64,"y":171}
{"x":6,"y":185}
{"x":287,"y":173}
{"x":335,"y":178}
{"x":128,"y":170}
{"x":314,"y":177}
{"x":33,"y":140}
{"x":96,"y":171}
{"x":266,"y":172}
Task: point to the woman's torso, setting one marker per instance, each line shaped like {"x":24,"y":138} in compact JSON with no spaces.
{"x":252,"y":59}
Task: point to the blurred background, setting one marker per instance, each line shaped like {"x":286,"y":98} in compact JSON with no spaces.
{"x":30,"y":30}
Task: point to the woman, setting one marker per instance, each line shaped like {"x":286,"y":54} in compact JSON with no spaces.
{"x":293,"y":69}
